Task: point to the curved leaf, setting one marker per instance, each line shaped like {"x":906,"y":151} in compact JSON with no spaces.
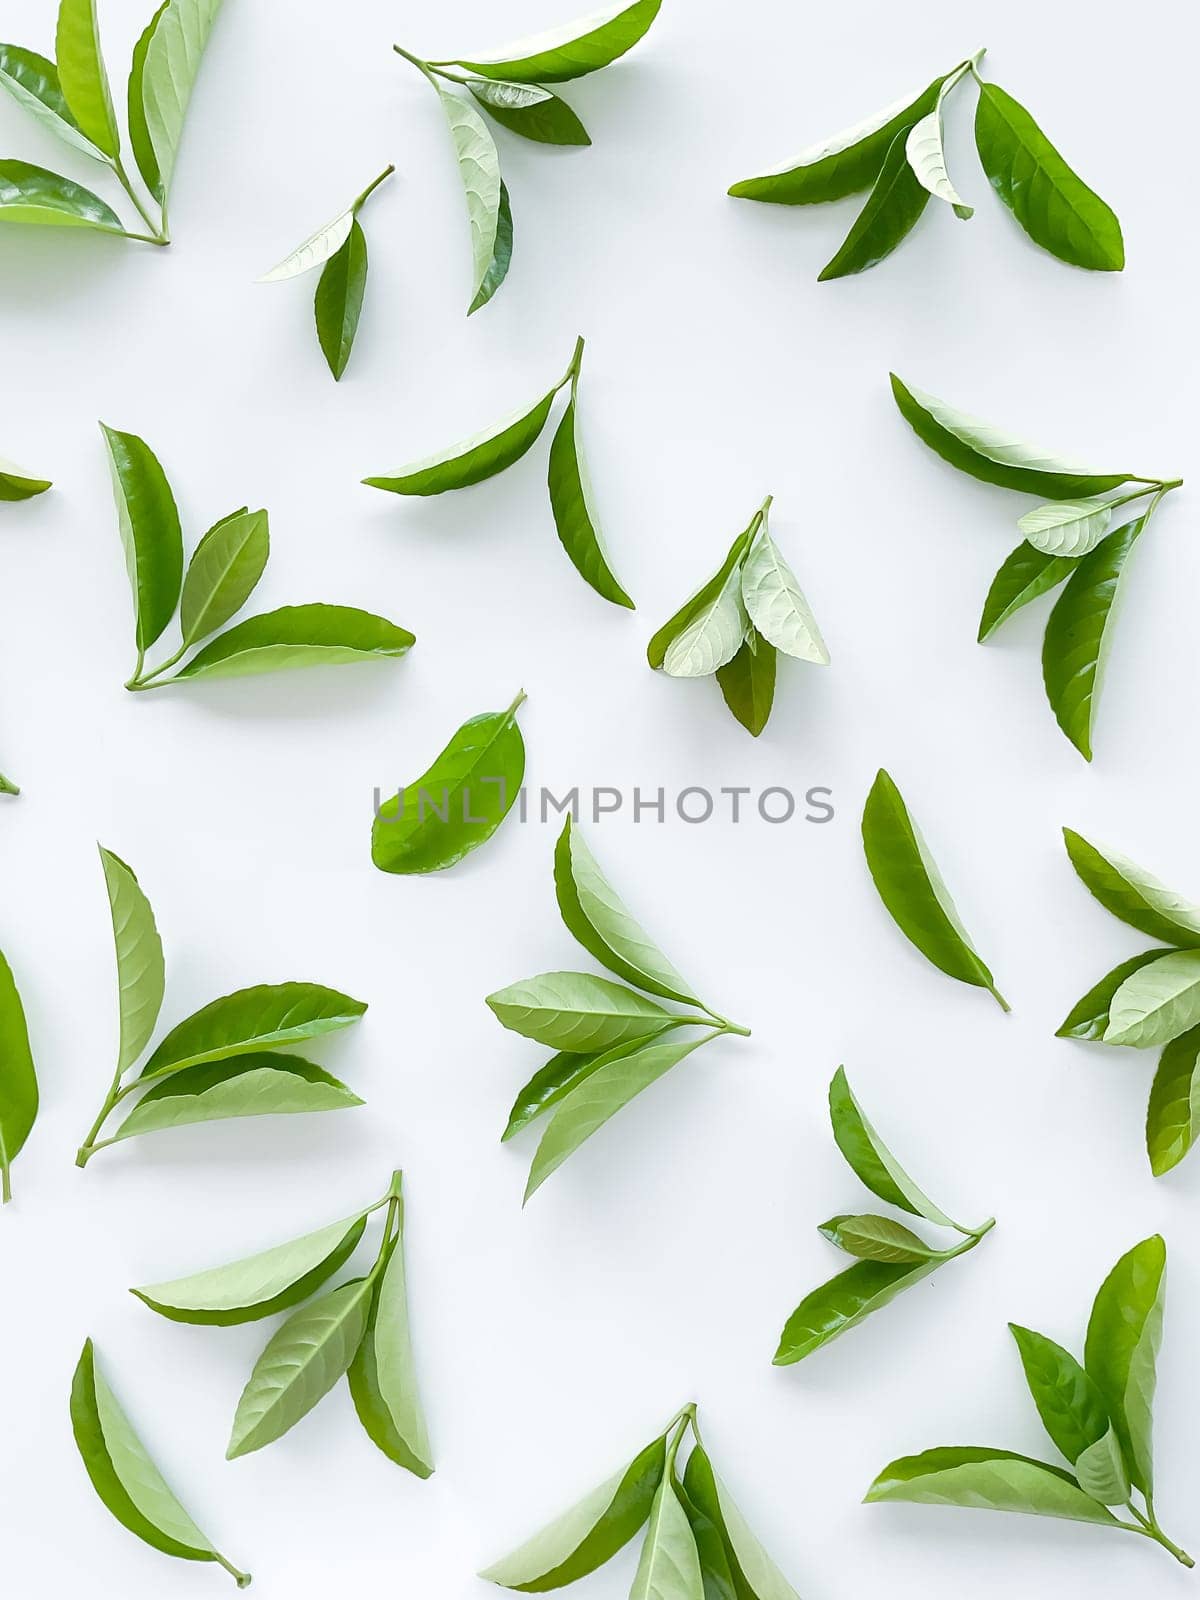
{"x":471,"y":460}
{"x":988,"y":1480}
{"x":16,"y":484}
{"x":872,"y":1238}
{"x":1089,"y":1017}
{"x":670,"y":631}
{"x":716,"y":1569}
{"x":549,"y":1085}
{"x":577,"y":1012}
{"x":892,"y":211}
{"x":1156,"y":1003}
{"x":1070,"y":1405}
{"x":1050,"y":201}
{"x":1025,"y":575}
{"x":568,"y":52}
{"x":82,"y":75}
{"x":34,"y":84}
{"x":755,"y":1574}
{"x":502,"y":251}
{"x":1133,"y":894}
{"x":1121,"y":1354}
{"x":318,"y":248}
{"x":298,"y":636}
{"x":33,"y":195}
{"x":870,"y":1159}
{"x":479,"y":168}
{"x":383,"y":1378}
{"x":1101,"y":1471}
{"x":1173,"y":1115}
{"x":248,"y":1086}
{"x":18,"y":1080}
{"x":150,"y":532}
{"x":1067,"y":527}
{"x":139,"y":132}
{"x":748,"y":682}
{"x":775,"y":604}
{"x":140,"y":969}
{"x":458,"y":803}
{"x":172,"y":63}
{"x":529,"y":110}
{"x":260,"y":1018}
{"x":339,"y":299}
{"x":570,"y":501}
{"x":713,"y":635}
{"x":1078,"y":636}
{"x":669,"y":1566}
{"x":844,"y":1302}
{"x":223,"y":572}
{"x":911,"y":888}
{"x":925,"y":152}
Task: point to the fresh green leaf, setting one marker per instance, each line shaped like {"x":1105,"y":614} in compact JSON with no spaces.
{"x":1050,"y":200}
{"x":1025,"y":575}
{"x":150,"y":532}
{"x":298,"y":636}
{"x":529,"y":110}
{"x":34,"y":84}
{"x":317,"y":249}
{"x":568,"y":52}
{"x":844,"y":1302}
{"x":33,"y":195}
{"x":16,"y":484}
{"x":248,"y":1086}
{"x":1078,"y":635}
{"x":549,"y":1085}
{"x":1070,"y":1405}
{"x":911,"y":888}
{"x":1173,"y":1115}
{"x":871,"y":1160}
{"x":994,"y":456}
{"x":1132,"y":894}
{"x":300,"y":1364}
{"x":479,"y":168}
{"x":748,"y":682}
{"x":124,"y":1476}
{"x":82,"y":75}
{"x":775,"y":604}
{"x":139,"y":131}
{"x":578,"y":1012}
{"x":570,"y":501}
{"x":265,"y":1017}
{"x":713,"y":635}
{"x":873,"y":1238}
{"x":1067,"y":527}
{"x":140,"y":969}
{"x":383,"y":1378}
{"x":1156,"y":1003}
{"x":755,"y":1575}
{"x":471,"y":460}
{"x":892,"y":211}
{"x":173,"y":56}
{"x":987,"y":1480}
{"x":223,"y":572}
{"x":18,"y":1080}
{"x":1089,"y":1017}
{"x":704,"y":597}
{"x":458,"y":803}
{"x":925,"y":151}
{"x":1121,"y":1353}
{"x":502,"y":251}
{"x":715,"y":1568}
{"x":1101,"y":1472}
{"x":260,"y":1285}
{"x":339,"y":299}
{"x":669,"y":1567}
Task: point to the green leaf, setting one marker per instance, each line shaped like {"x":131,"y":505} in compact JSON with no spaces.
{"x":265,"y":1017}
{"x":748,"y":682}
{"x":479,"y":168}
{"x":775,"y":604}
{"x":842,"y":1303}
{"x":223,"y":572}
{"x":1156,"y":1003}
{"x":716,"y":1570}
{"x":911,"y":888}
{"x":570,"y":501}
{"x":339,"y":299}
{"x":34,"y":84}
{"x":259,"y":1285}
{"x":317,"y":249}
{"x":1121,"y":1353}
{"x":150,"y":532}
{"x":1173,"y":1115}
{"x":1025,"y":575}
{"x":383,"y":1379}
{"x":925,"y":151}
{"x":600,"y":1096}
{"x":1101,"y":1471}
{"x":1133,"y":894}
{"x":1078,"y":635}
{"x":298,"y":636}
{"x":248,"y":1086}
{"x":596,"y":916}
{"x":173,"y":56}
{"x":872,"y":1238}
{"x":892,"y":211}
{"x":578,"y":1012}
{"x":568,"y":52}
{"x":1067,"y":527}
{"x":502,"y":251}
{"x":140,"y":969}
{"x":713,"y":636}
{"x":124,"y":1476}
{"x":1089,"y":1017}
{"x":139,"y":132}
{"x":549,"y":1085}
{"x":16,"y":484}
{"x":987,"y":1480}
{"x":1050,"y":201}
{"x":529,"y":110}
{"x":669,"y":1567}
{"x":870,"y":1159}
{"x":18,"y":1080}
{"x":755,"y":1575}
{"x":471,"y":460}
{"x":82,"y":76}
{"x":993,"y":455}
{"x":30,"y":194}
{"x":590,"y":1533}
{"x":704,"y":597}
{"x":1070,"y":1405}
{"x":300,"y":1365}
{"x":844,"y":164}
{"x":458,"y":803}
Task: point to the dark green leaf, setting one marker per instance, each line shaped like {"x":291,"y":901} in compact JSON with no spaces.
{"x":1025,"y":575}
{"x":18,"y":1080}
{"x":843,"y":1303}
{"x":892,"y":211}
{"x":16,"y":484}
{"x":755,"y":1575}
{"x":471,"y":460}
{"x":34,"y":84}
{"x":548,"y":1086}
{"x":1133,"y":894}
{"x":298,"y":636}
{"x":987,"y":1480}
{"x":150,"y":532}
{"x":533,"y":112}
{"x":502,"y":249}
{"x":265,"y":1017}
{"x":570,"y":51}
{"x":139,"y":132}
{"x":870,"y":1159}
{"x":715,"y":1570}
{"x":1121,"y":1353}
{"x":1070,"y":1405}
{"x":33,"y":195}
{"x":1089,"y":1017}
{"x":253,"y":1085}
{"x":1173,"y":1115}
{"x":570,"y":501}
{"x":748,"y":682}
{"x":223,"y":572}
{"x":339,"y":299}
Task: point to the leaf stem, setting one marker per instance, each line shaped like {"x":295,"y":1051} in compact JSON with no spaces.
{"x":146,"y":681}
{"x":7,"y":786}
{"x":5,"y":1183}
{"x":571,"y":375}
{"x":998,"y":997}
{"x":517,"y":704}
{"x":371,"y":187}
{"x":158,"y":234}
{"x":242,"y":1579}
{"x":422,"y":67}
{"x":1150,"y":1529}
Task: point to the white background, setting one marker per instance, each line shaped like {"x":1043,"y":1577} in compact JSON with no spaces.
{"x":660,"y":1263}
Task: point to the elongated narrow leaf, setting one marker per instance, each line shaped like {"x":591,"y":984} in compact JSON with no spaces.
{"x":871,"y":1160}
{"x":748,"y":682}
{"x":1173,"y":1115}
{"x":1089,"y":1017}
{"x":599,"y":1097}
{"x":994,"y":455}
{"x":844,"y":1302}
{"x":1156,"y":1003}
{"x":713,"y":635}
{"x":549,"y":1085}
{"x":1024,"y":576}
{"x":259,"y":1285}
{"x":670,"y":631}
{"x":1050,"y":201}
{"x":265,"y":1017}
{"x":248,"y":1086}
{"x":987,"y":1480}
{"x":1133,"y":894}
{"x":383,"y":1380}
{"x":578,"y":1012}
{"x":843,"y":164}
{"x":317,"y":249}
{"x":34,"y":84}
{"x":82,"y":74}
{"x":529,"y":110}
{"x":299,"y":1366}
{"x":223,"y":572}
{"x":17,"y":484}
{"x":1070,"y":1405}
{"x":776,"y":605}
{"x":479,"y":169}
{"x":911,"y":887}
{"x":150,"y":532}
{"x":590,"y":1533}
{"x":502,"y":250}
{"x":139,"y":131}
{"x":471,"y":460}
{"x":570,"y":501}
{"x":669,"y":1567}
{"x":173,"y":56}
{"x":458,"y":803}
{"x":872,"y":1238}
{"x":1121,"y":1353}
{"x":716,"y":1570}
{"x":18,"y":1080}
{"x":298,"y":636}
{"x":597,"y":917}
{"x":1067,"y":527}
{"x":571,"y":51}
{"x":140,"y":970}
{"x":33,"y":195}
{"x":892,"y":211}
{"x":125,"y":1477}
{"x":1079,"y":635}
{"x":339,"y":299}
{"x":925,"y":150}
{"x":755,"y":1574}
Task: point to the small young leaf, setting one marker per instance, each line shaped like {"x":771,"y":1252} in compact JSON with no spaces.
{"x":987,"y":1480}
{"x":502,"y":250}
{"x":265,"y":1017}
{"x":298,"y":636}
{"x":755,"y":1575}
{"x":1173,"y":1115}
{"x":775,"y":604}
{"x":713,"y":636}
{"x":568,"y":52}
{"x":1070,"y":1405}
{"x":549,"y":1085}
{"x":873,"y":1238}
{"x":139,"y":131}
{"x":471,"y":460}
{"x":140,"y":969}
{"x":1101,"y":1472}
{"x":18,"y":1080}
{"x":529,"y":110}
{"x":34,"y":84}
{"x":173,"y":56}
{"x":248,"y":1086}
{"x":748,"y":682}
{"x":82,"y":75}
{"x":1067,"y":527}
{"x":670,"y":631}
{"x":339,"y":299}
{"x":17,"y":484}
{"x":1156,"y":1003}
{"x":925,"y":151}
{"x":870,"y":1159}
{"x":223,"y":572}
{"x":315,"y":251}
{"x":669,"y":1567}
{"x":844,"y":1302}
{"x":1089,"y":1017}
{"x":570,"y":501}
{"x":150,"y":532}
{"x":892,"y":211}
{"x":1025,"y":575}
{"x":1133,"y":894}
{"x":577,"y":1012}
{"x":1121,"y":1353}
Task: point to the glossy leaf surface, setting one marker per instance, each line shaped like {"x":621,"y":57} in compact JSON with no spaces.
{"x":1089,"y":1017}
{"x":298,"y":636}
{"x":1156,"y":1003}
{"x":748,"y":682}
{"x":892,"y":211}
{"x":82,"y":74}
{"x":1173,"y":1115}
{"x":548,"y":1086}
{"x":150,"y":532}
{"x":173,"y":56}
{"x":530,"y":110}
{"x":248,"y":1086}
{"x":1070,"y":1405}
{"x":1121,"y":1353}
{"x":844,"y":1302}
{"x":776,"y":606}
{"x":577,"y":1012}
{"x":261,"y":1018}
{"x":987,"y":1480}
{"x":223,"y":572}
{"x":34,"y":84}
{"x":1133,"y":894}
{"x":570,"y":501}
{"x":33,"y":195}
{"x":870,"y":1159}
{"x":339,"y":299}
{"x":571,"y":51}
{"x":140,"y":970}
{"x":1024,"y":576}
{"x":18,"y":1080}
{"x":471,"y":460}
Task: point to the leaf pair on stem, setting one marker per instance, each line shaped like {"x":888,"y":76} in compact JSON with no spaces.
{"x":510,"y":86}
{"x":612,"y":1041}
{"x":899,"y":154}
{"x":1099,"y":1417}
{"x":1070,"y":539}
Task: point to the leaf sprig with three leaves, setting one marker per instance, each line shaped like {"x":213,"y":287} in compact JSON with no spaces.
{"x":612,"y":1042}
{"x":889,"y":1257}
{"x":223,"y":1061}
{"x":358,"y":1331}
{"x":510,"y":86}
{"x":1072,"y":538}
{"x":697,"y":1545}
{"x":899,"y":154}
{"x":1099,"y":1416}
{"x":18,"y":1079}
{"x":71,"y":98}
{"x":483,"y":455}
{"x":735,"y":624}
{"x":221,"y":576}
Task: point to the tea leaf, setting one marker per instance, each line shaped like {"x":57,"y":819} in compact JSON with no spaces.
{"x":223,"y":573}
{"x":16,"y":484}
{"x":870,"y":1159}
{"x":247,"y":1086}
{"x":988,"y":1480}
{"x":18,"y":1080}
{"x":704,"y":597}
{"x":139,"y":131}
{"x":549,"y":1085}
{"x":1133,"y":894}
{"x":570,"y":501}
{"x":339,"y":299}
{"x":1158,"y":1002}
{"x":755,"y":1574}
{"x":502,"y":251}
{"x":844,"y":1302}
{"x":1101,"y":1471}
{"x":31,"y":194}
{"x":261,"y":1018}
{"x":892,"y":211}
{"x":748,"y":682}
{"x":34,"y":84}
{"x":140,"y":968}
{"x":775,"y":604}
{"x":1089,"y":1017}
{"x":150,"y":532}
{"x":1070,"y":1405}
{"x":471,"y":460}
{"x":318,"y":248}
{"x":568,"y":52}
{"x":479,"y":168}
{"x":712,"y":636}
{"x":383,"y":1374}
{"x":173,"y":56}
{"x":1067,"y":528}
{"x":669,"y":1567}
{"x":1173,"y":1115}
{"x":82,"y":75}
{"x":926,"y":154}
{"x":1025,"y":575}
{"x":529,"y":110}
{"x":577,"y":1012}
{"x":873,"y":1238}
{"x":298,"y":636}
{"x":1121,"y":1353}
